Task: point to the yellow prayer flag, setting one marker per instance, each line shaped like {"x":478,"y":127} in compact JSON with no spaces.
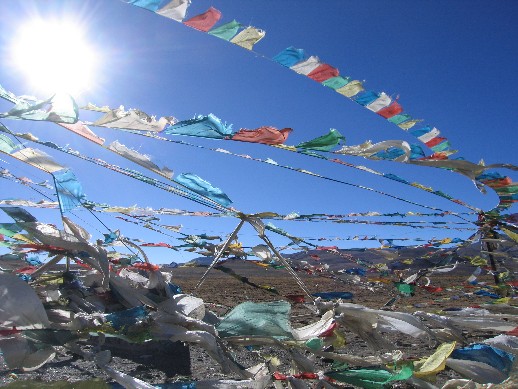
{"x":409,"y":124}
{"x":435,"y":362}
{"x":351,"y":89}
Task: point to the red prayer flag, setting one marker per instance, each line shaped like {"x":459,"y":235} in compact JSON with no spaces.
{"x":392,"y":110}
{"x":306,"y":376}
{"x":205,"y":21}
{"x":296,"y":298}
{"x":26,"y":270}
{"x":279,"y":376}
{"x":435,"y":141}
{"x":328,"y":248}
{"x":433,"y":289}
{"x":329,"y":332}
{"x":323,"y":72}
{"x":265,"y":135}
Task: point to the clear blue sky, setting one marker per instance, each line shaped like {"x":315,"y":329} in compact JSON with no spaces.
{"x":452,"y":63}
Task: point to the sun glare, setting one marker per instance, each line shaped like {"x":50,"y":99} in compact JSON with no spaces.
{"x":54,"y":56}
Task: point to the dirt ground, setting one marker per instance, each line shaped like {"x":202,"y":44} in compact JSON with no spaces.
{"x":167,"y":362}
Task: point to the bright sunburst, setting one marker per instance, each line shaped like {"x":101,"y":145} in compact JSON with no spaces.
{"x":54,"y":56}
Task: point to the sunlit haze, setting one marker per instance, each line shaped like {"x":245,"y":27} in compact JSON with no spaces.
{"x":54,"y":56}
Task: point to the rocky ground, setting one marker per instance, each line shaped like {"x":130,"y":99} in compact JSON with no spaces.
{"x":163,"y":362}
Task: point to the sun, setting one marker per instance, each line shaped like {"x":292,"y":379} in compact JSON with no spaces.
{"x":54,"y":56}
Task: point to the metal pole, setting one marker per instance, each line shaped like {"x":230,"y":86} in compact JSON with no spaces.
{"x":220,"y":253}
{"x":490,"y":248}
{"x":287,"y":266}
{"x":45,"y":266}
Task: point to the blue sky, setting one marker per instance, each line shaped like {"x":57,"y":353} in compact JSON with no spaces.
{"x":452,"y":63}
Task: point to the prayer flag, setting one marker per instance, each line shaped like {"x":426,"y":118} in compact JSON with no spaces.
{"x":248,"y":37}
{"x":175,"y":10}
{"x":226,"y":31}
{"x":205,"y":21}
{"x":202,"y":187}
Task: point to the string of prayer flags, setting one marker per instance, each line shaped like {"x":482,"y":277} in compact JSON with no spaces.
{"x":505,"y":188}
{"x":214,"y":130}
{"x":296,"y":60}
{"x":40,"y":160}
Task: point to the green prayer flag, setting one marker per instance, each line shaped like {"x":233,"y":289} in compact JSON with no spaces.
{"x":260,"y":319}
{"x":370,"y":378}
{"x":226,"y":31}
{"x":324,"y":142}
{"x":405,"y":289}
